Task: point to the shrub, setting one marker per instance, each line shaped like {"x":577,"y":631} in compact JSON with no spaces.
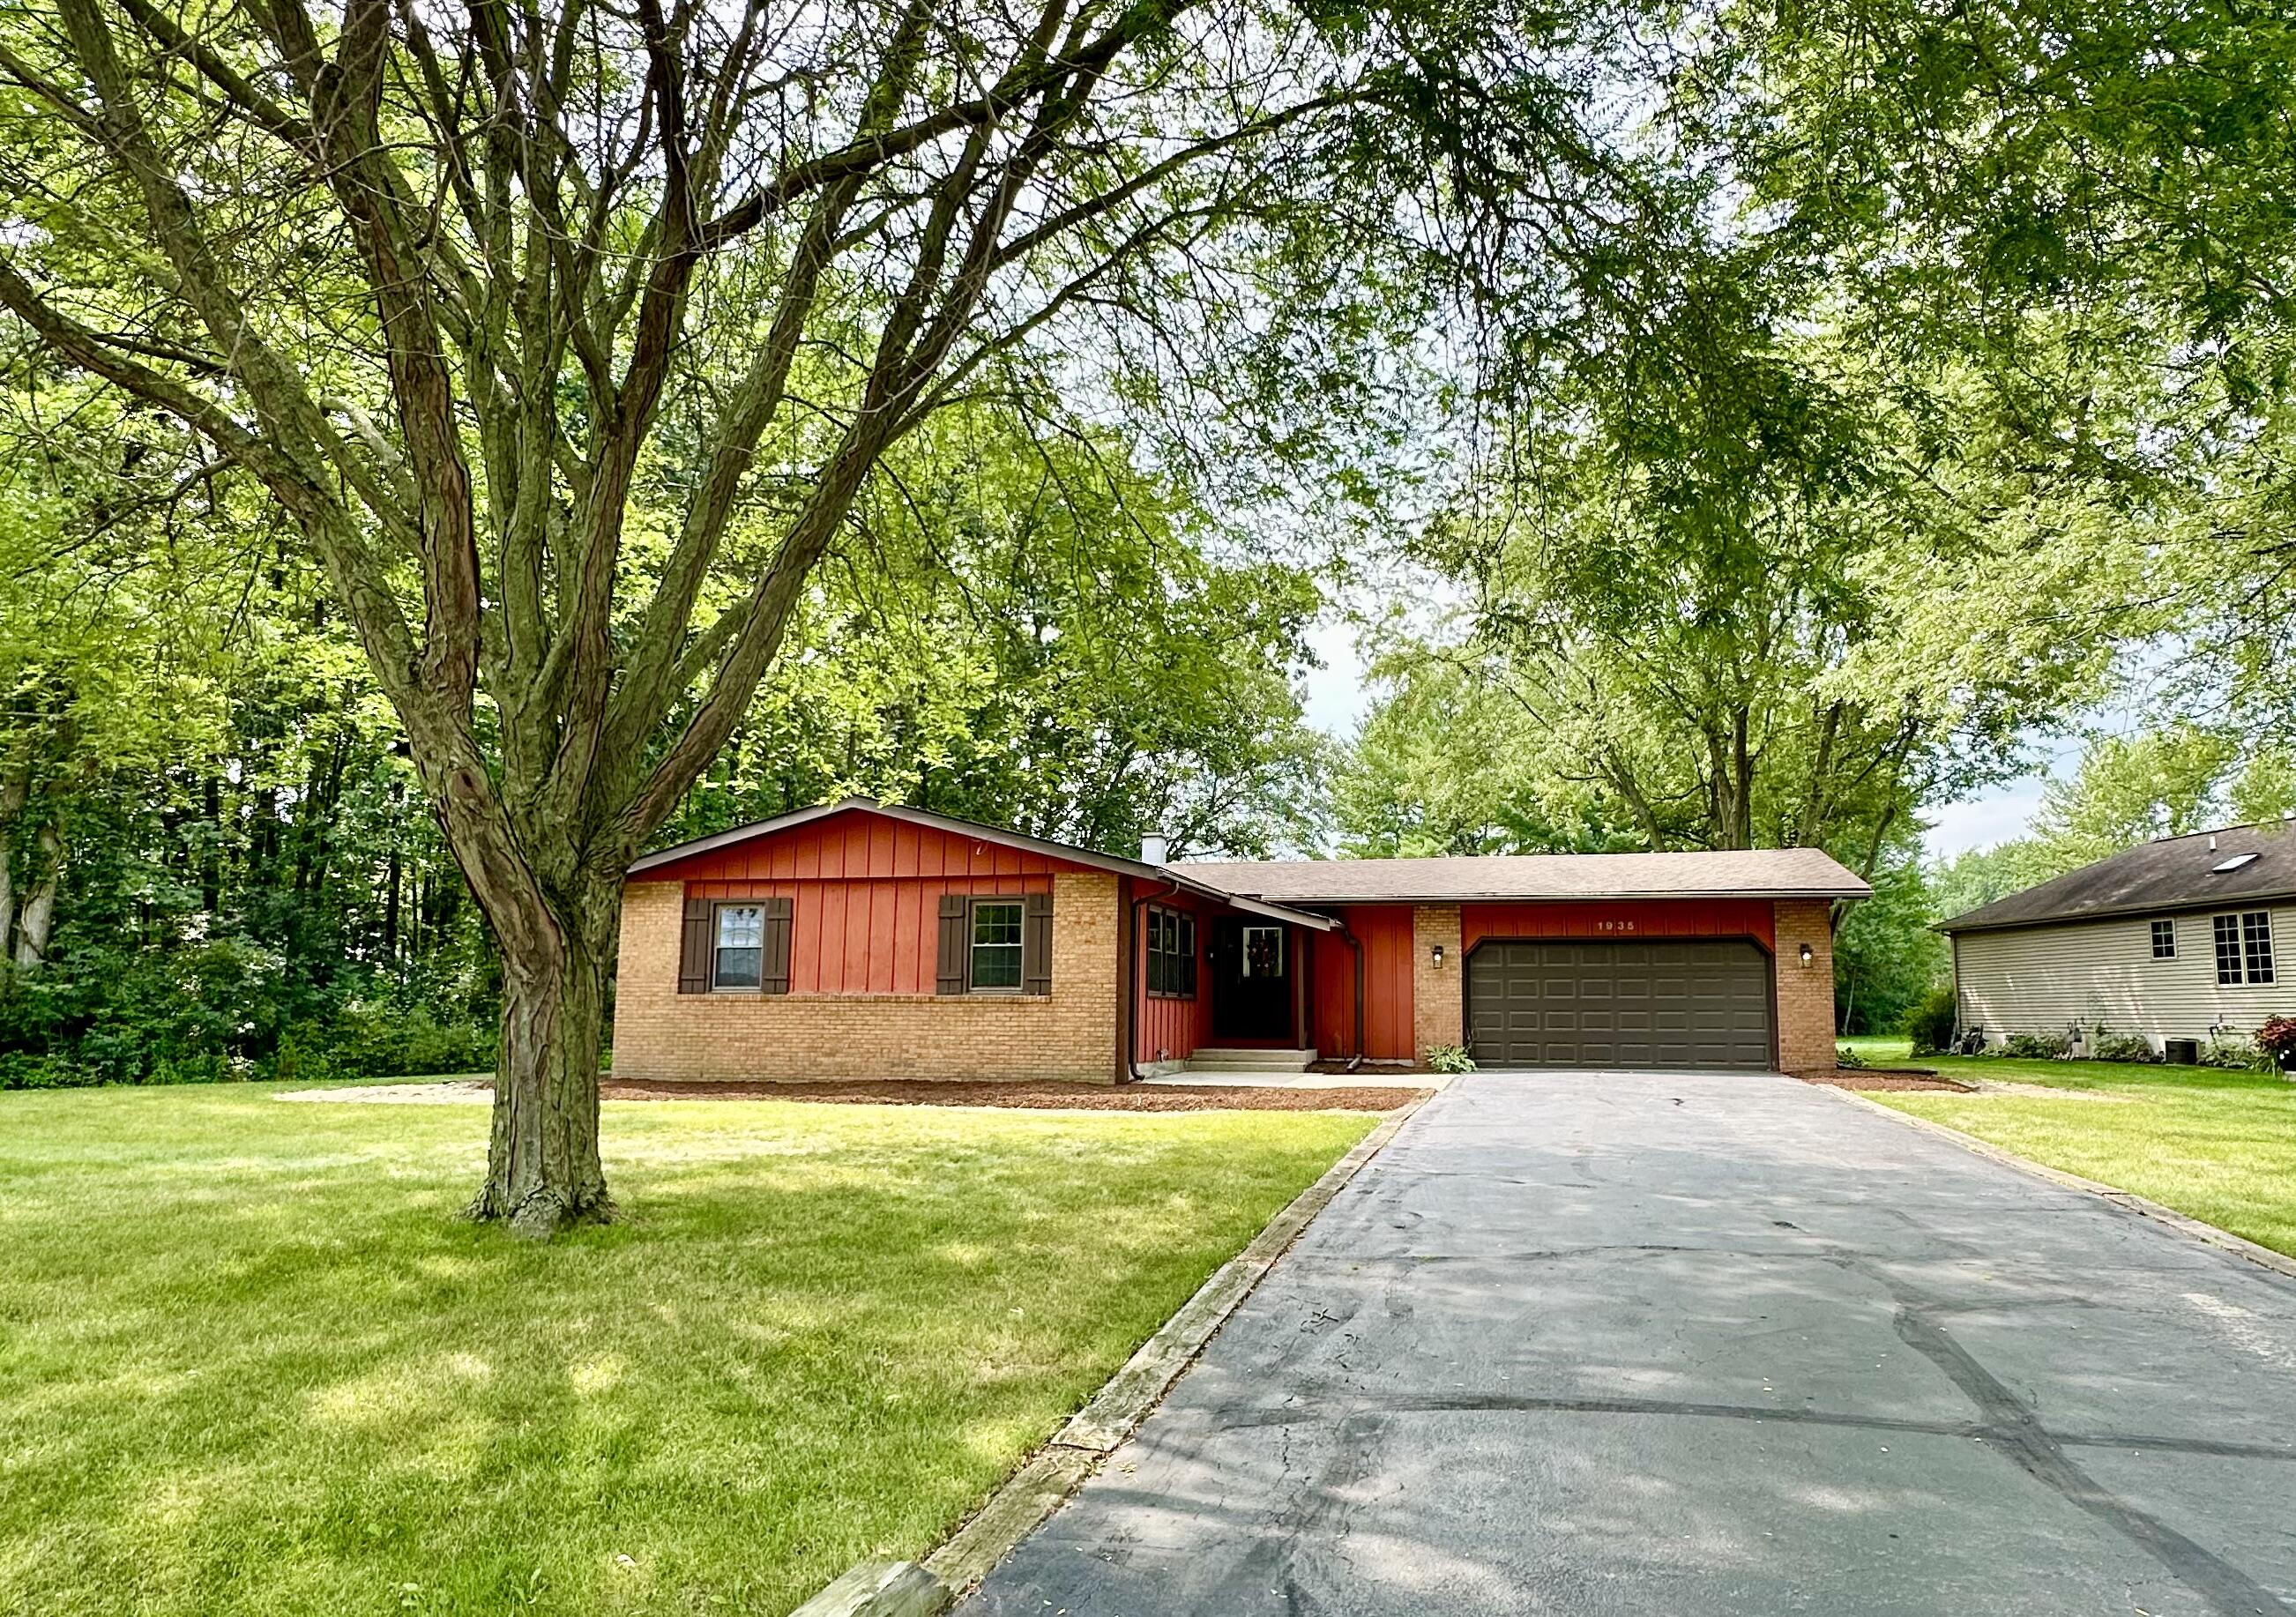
{"x":1848,"y":1060}
{"x":2238,"y":1054}
{"x":2119,"y":1047}
{"x":2032,"y":1046}
{"x":1930,"y":1023}
{"x":1449,"y":1058}
{"x":220,"y":1010}
{"x":2277,"y":1038}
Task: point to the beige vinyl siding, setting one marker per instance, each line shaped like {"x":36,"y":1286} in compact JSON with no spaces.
{"x":2045,"y":979}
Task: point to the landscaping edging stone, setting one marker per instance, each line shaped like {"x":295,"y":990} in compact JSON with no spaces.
{"x":906,"y":1588}
{"x":2224,"y":1240}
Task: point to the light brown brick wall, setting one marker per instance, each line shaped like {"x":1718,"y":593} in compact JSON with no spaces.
{"x":661,"y":1036}
{"x":1439,"y":999}
{"x":1805,"y":992}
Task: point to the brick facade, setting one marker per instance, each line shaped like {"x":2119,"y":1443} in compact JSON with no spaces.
{"x":661,"y":1036}
{"x":1438,"y":995}
{"x":1805,"y":992}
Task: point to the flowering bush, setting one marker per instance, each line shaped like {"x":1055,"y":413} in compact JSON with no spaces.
{"x":2277,"y":1038}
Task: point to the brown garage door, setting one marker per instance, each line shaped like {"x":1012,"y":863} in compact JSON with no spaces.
{"x":1620,"y":1005}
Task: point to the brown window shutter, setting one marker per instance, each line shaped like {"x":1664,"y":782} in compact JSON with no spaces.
{"x":694,"y":947}
{"x":949,"y":979}
{"x":1036,"y":944}
{"x":773,"y":974}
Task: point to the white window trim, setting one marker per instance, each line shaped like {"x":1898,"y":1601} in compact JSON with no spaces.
{"x":973,"y":946}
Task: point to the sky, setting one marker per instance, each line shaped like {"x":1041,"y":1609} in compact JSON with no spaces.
{"x":1336,"y":702}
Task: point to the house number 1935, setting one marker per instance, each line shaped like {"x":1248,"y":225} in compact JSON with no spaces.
{"x":1615,"y":927}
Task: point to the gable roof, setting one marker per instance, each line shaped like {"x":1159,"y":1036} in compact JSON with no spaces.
{"x":2173,"y":874}
{"x":977,"y":832}
{"x":1766,"y":872}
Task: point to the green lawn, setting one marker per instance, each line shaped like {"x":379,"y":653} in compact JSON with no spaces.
{"x":2218,"y":1145}
{"x":251,"y":1363}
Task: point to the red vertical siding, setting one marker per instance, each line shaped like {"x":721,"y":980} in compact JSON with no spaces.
{"x":1384,"y":932}
{"x":1627,"y":918}
{"x":1164,"y":1029}
{"x":864,"y":894}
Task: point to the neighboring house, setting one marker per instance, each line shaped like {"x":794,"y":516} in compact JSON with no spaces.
{"x":863,"y":941}
{"x":2178,"y":939}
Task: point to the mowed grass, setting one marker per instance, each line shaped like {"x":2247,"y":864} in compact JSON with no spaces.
{"x":2219,"y":1145}
{"x":251,"y":1362}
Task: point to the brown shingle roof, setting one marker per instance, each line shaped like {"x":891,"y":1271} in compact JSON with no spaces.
{"x":1767,"y":873}
{"x":2175,"y":872}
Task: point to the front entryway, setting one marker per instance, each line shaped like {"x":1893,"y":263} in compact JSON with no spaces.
{"x":1251,"y":978}
{"x":1703,"y":1004}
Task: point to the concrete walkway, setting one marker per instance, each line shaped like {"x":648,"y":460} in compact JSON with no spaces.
{"x":1604,"y":1343}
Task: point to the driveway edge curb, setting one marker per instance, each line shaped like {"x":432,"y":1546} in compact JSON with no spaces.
{"x":2185,"y":1224}
{"x":1056,"y":1471}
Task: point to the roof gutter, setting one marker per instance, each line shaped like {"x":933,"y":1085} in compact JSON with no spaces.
{"x":1671,"y":896}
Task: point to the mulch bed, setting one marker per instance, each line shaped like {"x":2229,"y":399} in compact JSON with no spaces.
{"x":1886,"y":1077}
{"x":1038,"y":1097}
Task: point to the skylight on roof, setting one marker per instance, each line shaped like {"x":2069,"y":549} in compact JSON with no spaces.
{"x":2233,"y":863}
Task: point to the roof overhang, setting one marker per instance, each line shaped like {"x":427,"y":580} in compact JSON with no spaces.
{"x":1956,"y":924}
{"x":1661,"y":896}
{"x":973,"y":829}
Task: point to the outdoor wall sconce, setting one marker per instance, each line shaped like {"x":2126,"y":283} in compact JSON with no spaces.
{"x":1438,"y":957}
{"x":1806,"y":956}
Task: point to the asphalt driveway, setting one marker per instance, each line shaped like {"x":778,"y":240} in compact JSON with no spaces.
{"x":1597,"y":1343}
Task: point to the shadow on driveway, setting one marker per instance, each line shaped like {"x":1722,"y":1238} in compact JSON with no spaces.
{"x":1604,"y":1343}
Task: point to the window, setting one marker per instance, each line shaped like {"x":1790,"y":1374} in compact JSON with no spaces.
{"x":2164,"y":940}
{"x":739,"y":962}
{"x":2244,"y":947}
{"x":2224,"y":866}
{"x":996,"y":945}
{"x":1172,"y":953}
{"x":1263,"y":951}
{"x":2227,"y":929}
{"x":2256,"y":945}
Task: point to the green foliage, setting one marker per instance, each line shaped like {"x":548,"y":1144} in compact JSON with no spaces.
{"x":1978,"y":876}
{"x":1449,"y":1058}
{"x":1034,"y":632}
{"x":1931,"y":1021}
{"x":1850,"y":1060}
{"x":1885,"y":957}
{"x":2103,"y":1045}
{"x":2030,"y":1047}
{"x":2237,"y":1054}
{"x":2136,"y":789}
{"x":2276,"y":1037}
{"x":2170,"y":781}
{"x":1446,"y":763}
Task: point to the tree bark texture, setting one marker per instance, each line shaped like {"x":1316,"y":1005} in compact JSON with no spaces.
{"x":544,"y":1170}
{"x":559,"y":229}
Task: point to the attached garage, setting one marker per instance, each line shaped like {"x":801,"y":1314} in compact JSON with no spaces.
{"x":1706,"y":1004}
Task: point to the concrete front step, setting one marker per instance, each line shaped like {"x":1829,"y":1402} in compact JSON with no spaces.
{"x":1251,"y":1061}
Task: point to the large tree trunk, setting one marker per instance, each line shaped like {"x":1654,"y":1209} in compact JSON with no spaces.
{"x":543,"y":1170}
{"x":38,"y":918}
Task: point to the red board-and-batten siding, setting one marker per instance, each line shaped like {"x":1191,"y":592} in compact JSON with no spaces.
{"x":1384,"y":933}
{"x":864,"y":894}
{"x":1623,"y":919}
{"x":1165,"y":1028}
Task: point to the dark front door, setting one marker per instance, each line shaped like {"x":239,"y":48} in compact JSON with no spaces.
{"x":1251,"y":978}
{"x":1692,"y":1004}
